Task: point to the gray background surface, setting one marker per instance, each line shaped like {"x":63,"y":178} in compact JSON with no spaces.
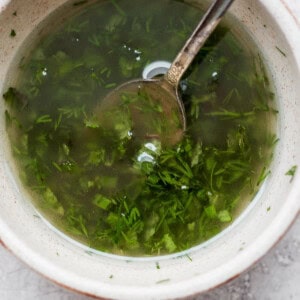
{"x":276,"y":277}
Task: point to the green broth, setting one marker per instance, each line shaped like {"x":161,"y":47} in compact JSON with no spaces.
{"x":92,"y":177}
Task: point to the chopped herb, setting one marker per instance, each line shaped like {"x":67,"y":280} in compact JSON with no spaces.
{"x":110,"y":181}
{"x":43,"y":119}
{"x":110,"y":85}
{"x":162,"y":281}
{"x":13,"y":33}
{"x":57,"y":166}
{"x":77,"y":3}
{"x":224,"y":216}
{"x":269,"y":208}
{"x":102,"y":202}
{"x":211,"y":211}
{"x":92,"y":123}
{"x":14,"y":13}
{"x":291,"y":172}
{"x":118,"y":8}
{"x":263,"y":175}
{"x":280,"y":51}
{"x":188,"y":257}
{"x":227,"y":115}
{"x":15,"y":99}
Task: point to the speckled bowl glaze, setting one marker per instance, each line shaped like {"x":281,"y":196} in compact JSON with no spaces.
{"x":273,"y":25}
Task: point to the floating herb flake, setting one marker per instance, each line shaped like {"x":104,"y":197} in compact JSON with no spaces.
{"x":291,"y":172}
{"x":280,"y":51}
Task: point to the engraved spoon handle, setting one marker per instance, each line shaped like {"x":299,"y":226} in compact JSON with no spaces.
{"x":192,"y":46}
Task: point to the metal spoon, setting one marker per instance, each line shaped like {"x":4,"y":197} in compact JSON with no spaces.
{"x":155,"y":106}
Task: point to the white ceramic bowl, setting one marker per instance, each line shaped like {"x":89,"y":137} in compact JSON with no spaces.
{"x":272,"y":25}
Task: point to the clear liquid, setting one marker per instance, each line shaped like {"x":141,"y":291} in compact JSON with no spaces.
{"x":94,"y":181}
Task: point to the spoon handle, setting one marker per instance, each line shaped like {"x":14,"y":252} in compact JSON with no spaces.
{"x":192,"y":46}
